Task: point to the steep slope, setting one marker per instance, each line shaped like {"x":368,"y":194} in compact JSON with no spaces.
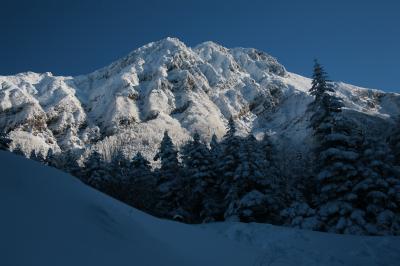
{"x":167,"y":85}
{"x":50,"y":218}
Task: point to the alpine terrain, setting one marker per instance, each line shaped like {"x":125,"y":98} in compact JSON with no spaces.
{"x":207,"y":133}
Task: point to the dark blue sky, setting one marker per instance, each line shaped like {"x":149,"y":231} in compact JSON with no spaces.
{"x":357,"y":41}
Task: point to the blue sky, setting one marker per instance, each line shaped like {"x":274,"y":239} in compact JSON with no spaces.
{"x":357,"y":41}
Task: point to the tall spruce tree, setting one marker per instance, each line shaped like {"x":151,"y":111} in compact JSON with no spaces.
{"x":251,"y":196}
{"x":141,"y":183}
{"x":32,"y":155}
{"x":200,"y":186}
{"x":95,"y":170}
{"x":337,"y":151}
{"x":68,"y":161}
{"x":267,"y":148}
{"x":140,"y":169}
{"x":270,"y":168}
{"x":197,"y":160}
{"x":170,"y":183}
{"x":228,"y":158}
{"x":320,"y":83}
{"x":37,"y":156}
{"x":168,"y":155}
{"x":119,"y":165}
{"x":215,"y":146}
{"x":378,"y":192}
{"x":51,"y":158}
{"x":112,"y":178}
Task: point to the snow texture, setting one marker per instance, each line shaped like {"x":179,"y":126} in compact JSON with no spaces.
{"x":166,"y":85}
{"x":51,"y":218}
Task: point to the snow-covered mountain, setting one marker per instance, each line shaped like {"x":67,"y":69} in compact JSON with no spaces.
{"x":50,"y":218}
{"x":167,"y":85}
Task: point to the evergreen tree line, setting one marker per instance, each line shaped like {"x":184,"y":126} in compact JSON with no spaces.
{"x":232,"y":179}
{"x":351,"y":187}
{"x":355,"y":185}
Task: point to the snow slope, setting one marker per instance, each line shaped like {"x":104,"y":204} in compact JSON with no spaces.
{"x":50,"y":218}
{"x":167,"y":85}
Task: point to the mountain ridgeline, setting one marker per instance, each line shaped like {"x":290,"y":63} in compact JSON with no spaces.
{"x":209,"y":134}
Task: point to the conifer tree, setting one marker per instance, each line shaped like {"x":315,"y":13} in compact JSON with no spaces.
{"x":112,"y":178}
{"x":320,"y":83}
{"x":267,"y":148}
{"x":197,"y":160}
{"x":95,"y":170}
{"x":270,"y":169}
{"x":37,"y":156}
{"x":170,"y":183}
{"x":32,"y":155}
{"x":168,"y":155}
{"x":337,"y":150}
{"x":142,"y":184}
{"x":68,"y":161}
{"x":228,"y":159}
{"x":51,"y":158}
{"x":200,"y":186}
{"x":140,"y":168}
{"x":4,"y":142}
{"x":119,"y":166}
{"x":231,"y":128}
{"x":378,"y":192}
{"x":41,"y":157}
{"x":251,"y":196}
{"x":215,"y":146}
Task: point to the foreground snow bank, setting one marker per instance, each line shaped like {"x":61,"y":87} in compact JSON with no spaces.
{"x":50,"y":218}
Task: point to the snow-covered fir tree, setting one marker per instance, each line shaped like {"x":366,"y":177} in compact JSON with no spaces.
{"x":51,"y":158}
{"x":267,"y":148}
{"x":170,"y":183}
{"x":140,"y":169}
{"x":4,"y":142}
{"x":200,"y":187}
{"x":95,"y":169}
{"x":142,"y":184}
{"x":215,"y":146}
{"x":228,"y":158}
{"x":320,"y":83}
{"x":378,"y":191}
{"x":68,"y":161}
{"x":337,"y":154}
{"x":115,"y":181}
{"x":119,"y":165}
{"x":267,"y":152}
{"x":168,"y":155}
{"x":32,"y":155}
{"x":252,"y":194}
{"x":37,"y":156}
{"x":300,"y":215}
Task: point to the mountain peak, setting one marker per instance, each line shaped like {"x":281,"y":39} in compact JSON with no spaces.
{"x":171,"y":41}
{"x":166,"y":44}
{"x":165,"y":85}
